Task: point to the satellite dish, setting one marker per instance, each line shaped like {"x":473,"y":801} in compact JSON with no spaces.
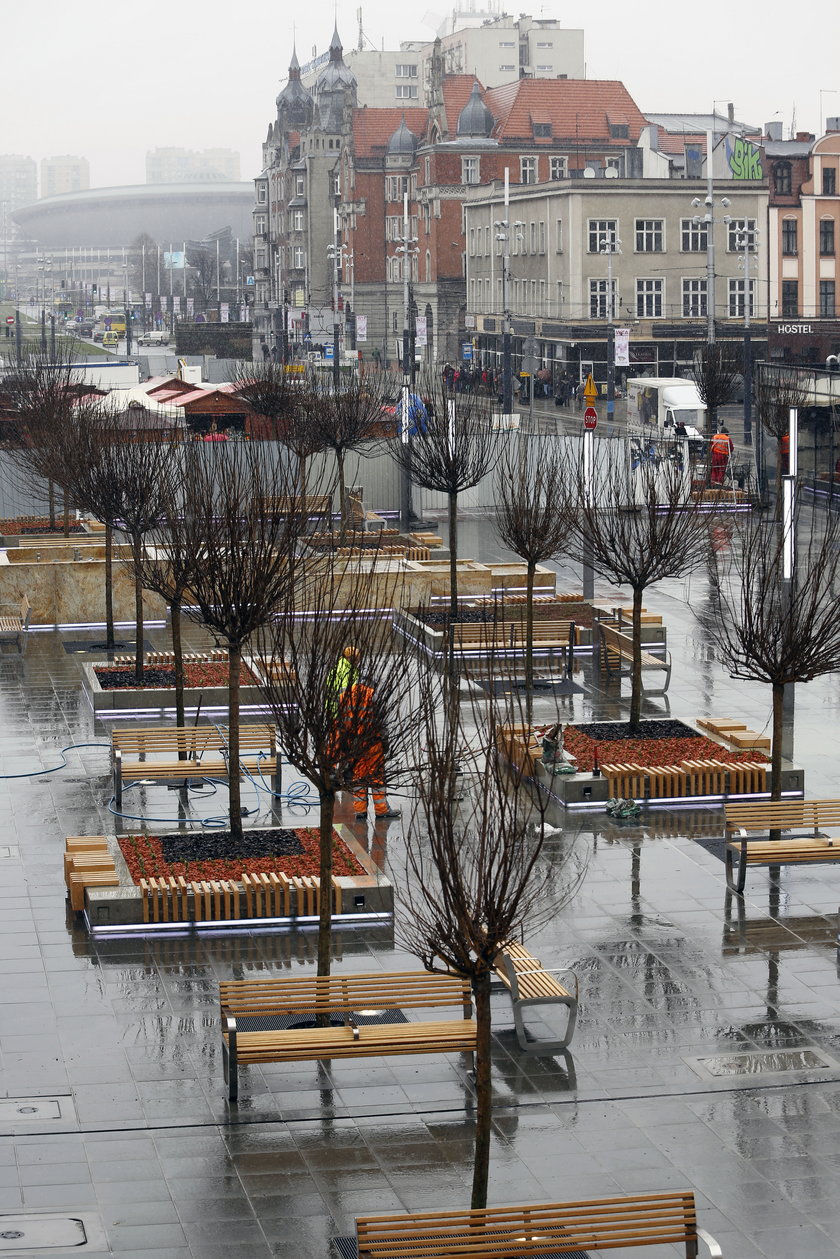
{"x":610,"y":173}
{"x":589,"y":172}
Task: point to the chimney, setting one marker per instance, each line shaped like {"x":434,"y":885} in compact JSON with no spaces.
{"x":730,"y":109}
{"x":773,"y":130}
{"x":832,"y":124}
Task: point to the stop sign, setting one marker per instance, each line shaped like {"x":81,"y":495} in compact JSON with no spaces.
{"x":590,"y":418}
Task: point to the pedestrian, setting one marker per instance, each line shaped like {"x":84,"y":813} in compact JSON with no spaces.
{"x":723,"y":448}
{"x":345,"y":673}
{"x":362,"y":726}
{"x":265,"y":350}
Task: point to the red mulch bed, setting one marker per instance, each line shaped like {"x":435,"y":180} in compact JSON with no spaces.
{"x":196,"y":675}
{"x":36,"y":525}
{"x":144,"y":857}
{"x":651,"y":752}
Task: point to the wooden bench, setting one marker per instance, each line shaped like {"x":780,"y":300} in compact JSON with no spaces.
{"x":346,"y":998}
{"x":688,"y":778}
{"x":615,"y":650}
{"x":203,"y":752}
{"x":311,"y":506}
{"x":87,"y":863}
{"x":173,"y":899}
{"x":531,"y":984}
{"x":743,"y":820}
{"x":549,"y":1228}
{"x":497,"y":636}
{"x":735,"y":734}
{"x":14,"y":622}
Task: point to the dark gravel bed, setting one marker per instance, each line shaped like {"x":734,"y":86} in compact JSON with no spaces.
{"x":439,"y":617}
{"x":123,"y":679}
{"x":220,"y":846}
{"x":612,"y":730}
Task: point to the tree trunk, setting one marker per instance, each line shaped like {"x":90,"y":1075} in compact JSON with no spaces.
{"x":483,"y":1092}
{"x":51,"y":502}
{"x":776,"y":761}
{"x":234,"y":663}
{"x":66,"y":518}
{"x":325,"y":872}
{"x":342,"y":494}
{"x":139,"y":628}
{"x":178,"y":660}
{"x":529,"y":642}
{"x":636,"y":693}
{"x":109,"y":587}
{"x":453,"y":582}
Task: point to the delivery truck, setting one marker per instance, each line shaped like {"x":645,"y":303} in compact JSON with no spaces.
{"x":656,"y":405}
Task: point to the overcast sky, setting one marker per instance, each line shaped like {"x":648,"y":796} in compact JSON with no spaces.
{"x":111,"y":81}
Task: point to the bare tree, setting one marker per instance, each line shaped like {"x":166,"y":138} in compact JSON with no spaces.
{"x":715,"y":368}
{"x":451,"y":452}
{"x":533,"y":494}
{"x":777,"y":630}
{"x":475,"y":879}
{"x":340,"y":743}
{"x":639,"y":528}
{"x":243,"y":556}
{"x":347,"y":421}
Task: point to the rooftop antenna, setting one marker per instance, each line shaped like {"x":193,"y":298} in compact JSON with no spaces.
{"x":361,"y":31}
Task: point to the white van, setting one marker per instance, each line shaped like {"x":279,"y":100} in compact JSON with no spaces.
{"x":153,"y":338}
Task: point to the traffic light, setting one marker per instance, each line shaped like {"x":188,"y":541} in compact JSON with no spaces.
{"x":93,"y":288}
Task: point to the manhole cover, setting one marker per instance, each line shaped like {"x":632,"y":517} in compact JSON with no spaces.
{"x":22,"y":1234}
{"x":19,"y":1113}
{"x":764,"y":1063}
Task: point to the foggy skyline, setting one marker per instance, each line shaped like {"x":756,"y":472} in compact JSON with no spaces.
{"x":200,"y":76}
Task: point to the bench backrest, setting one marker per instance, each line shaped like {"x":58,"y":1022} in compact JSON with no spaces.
{"x":615,"y":638}
{"x":767,"y":814}
{"x":195,"y":740}
{"x":376,"y":991}
{"x":510,"y":631}
{"x":542,"y":1229}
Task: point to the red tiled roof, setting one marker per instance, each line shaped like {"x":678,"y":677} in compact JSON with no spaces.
{"x":577,"y":108}
{"x":373,"y":128}
{"x":675,"y":141}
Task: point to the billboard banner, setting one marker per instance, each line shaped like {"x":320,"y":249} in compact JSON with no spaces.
{"x":622,"y":347}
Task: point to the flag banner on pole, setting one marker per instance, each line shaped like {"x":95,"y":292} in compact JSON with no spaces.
{"x":420,"y":330}
{"x":176,"y":305}
{"x":622,"y":347}
{"x":174,"y":259}
{"x":224,"y":312}
{"x":361,"y":327}
{"x":148,"y":300}
{"x":190,"y":307}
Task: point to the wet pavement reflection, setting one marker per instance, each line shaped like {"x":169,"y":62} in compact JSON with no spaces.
{"x":707,"y":1050}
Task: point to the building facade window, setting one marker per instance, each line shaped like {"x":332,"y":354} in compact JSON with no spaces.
{"x":393,"y":227}
{"x":829,"y":181}
{"x":827,"y":299}
{"x":470,"y":170}
{"x":297,"y":220}
{"x":694,"y":298}
{"x":782,"y":178}
{"x":262,"y":194}
{"x":558,"y":168}
{"x":650,"y":236}
{"x":827,"y":237}
{"x":532,"y":231}
{"x":528,"y":170}
{"x":599,"y":299}
{"x":542,"y":130}
{"x":649,"y":299}
{"x":259,"y":224}
{"x":406,"y":91}
{"x":300,"y":185}
{"x":395,"y":187}
{"x":599,"y":231}
{"x":790,"y":298}
{"x":736,"y":231}
{"x":405,"y":71}
{"x":694,"y":237}
{"x":737,"y":296}
{"x":427,"y":168}
{"x":541,"y":237}
{"x":790,"y":237}
{"x":298,"y":258}
{"x":558,"y":248}
{"x":428,"y":267}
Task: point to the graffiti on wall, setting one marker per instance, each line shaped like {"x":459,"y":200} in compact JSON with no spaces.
{"x":744,"y":158}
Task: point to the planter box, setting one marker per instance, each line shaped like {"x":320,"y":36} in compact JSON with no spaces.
{"x":161,"y":700}
{"x":113,"y":908}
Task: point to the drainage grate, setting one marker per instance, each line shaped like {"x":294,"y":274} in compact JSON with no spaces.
{"x":765,"y":1062}
{"x":17,"y":1113}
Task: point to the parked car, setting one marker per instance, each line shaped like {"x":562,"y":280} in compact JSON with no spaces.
{"x":110,"y":339}
{"x":153,"y":338}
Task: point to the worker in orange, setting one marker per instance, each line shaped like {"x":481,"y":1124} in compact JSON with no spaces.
{"x":723,"y":448}
{"x":361,"y":734}
{"x":784,"y":454}
{"x":344,"y":674}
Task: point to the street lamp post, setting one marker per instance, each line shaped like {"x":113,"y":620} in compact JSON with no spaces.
{"x":407,"y":248}
{"x":610,"y":245}
{"x":502,"y":227}
{"x":709,"y":220}
{"x":334,"y":250}
{"x":746,"y":240}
